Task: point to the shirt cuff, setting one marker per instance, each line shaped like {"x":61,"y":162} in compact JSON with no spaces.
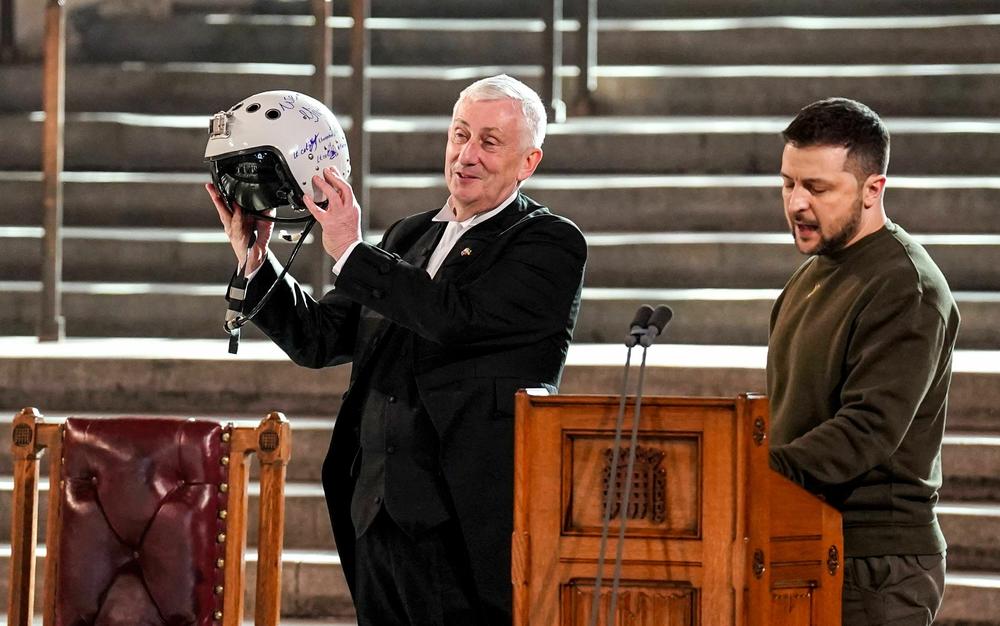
{"x":338,"y":267}
{"x":254,"y":273}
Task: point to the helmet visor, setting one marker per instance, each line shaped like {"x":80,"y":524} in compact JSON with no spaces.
{"x":259,"y":183}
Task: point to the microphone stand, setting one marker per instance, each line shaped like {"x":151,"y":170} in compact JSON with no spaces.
{"x":647,"y":325}
{"x":636,"y":329}
{"x":623,"y":518}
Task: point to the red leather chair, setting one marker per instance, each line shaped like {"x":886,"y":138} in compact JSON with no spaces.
{"x":146,"y":520}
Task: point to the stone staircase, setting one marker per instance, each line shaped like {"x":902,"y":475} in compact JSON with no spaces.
{"x":674,"y":181}
{"x":182,"y":377}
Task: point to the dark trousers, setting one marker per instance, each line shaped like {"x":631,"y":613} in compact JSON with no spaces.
{"x":413,"y":581}
{"x":892,"y":590}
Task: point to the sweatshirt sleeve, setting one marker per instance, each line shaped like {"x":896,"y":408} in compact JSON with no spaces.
{"x":892,"y":360}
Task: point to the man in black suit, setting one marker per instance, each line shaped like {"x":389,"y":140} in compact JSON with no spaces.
{"x":444,"y":320}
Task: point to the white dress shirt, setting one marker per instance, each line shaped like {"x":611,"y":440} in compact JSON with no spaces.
{"x":452,"y":232}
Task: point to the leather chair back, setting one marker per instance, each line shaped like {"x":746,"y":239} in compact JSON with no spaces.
{"x":147,"y":520}
{"x":141,"y":505}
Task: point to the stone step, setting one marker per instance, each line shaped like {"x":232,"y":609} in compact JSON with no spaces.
{"x":241,"y":38}
{"x":894,"y":90}
{"x":971,"y":466}
{"x":699,"y":260}
{"x":193,"y":311}
{"x":312,"y":584}
{"x":702,"y":145}
{"x":124,"y":310}
{"x":970,"y":527}
{"x":605,"y":8}
{"x":970,"y":461}
{"x":971,"y":599}
{"x":313,"y":587}
{"x":198,"y":377}
{"x":971,"y":530}
{"x":655,"y":202}
{"x":693,"y":203}
{"x":605,"y":145}
{"x":154,"y":255}
{"x":640,"y":260}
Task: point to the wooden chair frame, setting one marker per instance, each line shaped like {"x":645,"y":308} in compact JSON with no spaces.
{"x":270,"y":441}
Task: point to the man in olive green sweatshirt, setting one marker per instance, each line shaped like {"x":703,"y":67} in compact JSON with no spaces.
{"x":859,"y":364}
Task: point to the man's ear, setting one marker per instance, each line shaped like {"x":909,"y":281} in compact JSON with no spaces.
{"x":872,"y":192}
{"x":529,"y":164}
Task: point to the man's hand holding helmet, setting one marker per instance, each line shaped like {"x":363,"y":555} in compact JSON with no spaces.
{"x":341,"y":219}
{"x":241,"y":229}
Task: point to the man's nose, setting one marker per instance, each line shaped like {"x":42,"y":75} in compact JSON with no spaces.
{"x":798,"y":199}
{"x":470,"y":152}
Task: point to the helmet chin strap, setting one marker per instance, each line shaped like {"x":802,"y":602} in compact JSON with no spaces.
{"x":237,"y":293}
{"x":235,"y":319}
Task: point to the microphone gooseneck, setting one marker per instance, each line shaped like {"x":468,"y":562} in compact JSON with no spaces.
{"x":647,"y":324}
{"x":637,"y":327}
{"x":627,"y":494}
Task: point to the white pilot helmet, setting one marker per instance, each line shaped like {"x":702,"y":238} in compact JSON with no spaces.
{"x":264,"y":151}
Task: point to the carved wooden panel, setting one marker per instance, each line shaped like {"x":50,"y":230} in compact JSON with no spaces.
{"x":665,"y":494}
{"x":791,"y":607}
{"x":646,"y":491}
{"x":640,"y":603}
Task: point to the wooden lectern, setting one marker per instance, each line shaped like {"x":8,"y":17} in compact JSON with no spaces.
{"x":714,"y":537}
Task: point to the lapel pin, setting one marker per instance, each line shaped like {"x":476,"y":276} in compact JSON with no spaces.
{"x":467,"y":252}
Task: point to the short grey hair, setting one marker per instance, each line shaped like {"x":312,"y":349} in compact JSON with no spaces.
{"x":503,"y":87}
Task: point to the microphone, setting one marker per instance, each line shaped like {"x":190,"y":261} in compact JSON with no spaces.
{"x":638,"y":326}
{"x":637,"y":329}
{"x":657,"y":322}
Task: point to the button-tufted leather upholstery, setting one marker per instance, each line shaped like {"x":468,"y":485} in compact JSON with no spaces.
{"x":140,"y":536}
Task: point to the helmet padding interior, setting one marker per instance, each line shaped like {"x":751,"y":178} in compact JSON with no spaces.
{"x":257,"y":181}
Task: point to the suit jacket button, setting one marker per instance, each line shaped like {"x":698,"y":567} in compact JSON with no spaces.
{"x":392,"y":399}
{"x":390,"y":449}
{"x":377,"y":294}
{"x":378,"y":499}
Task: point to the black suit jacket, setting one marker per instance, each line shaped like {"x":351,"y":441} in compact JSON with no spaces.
{"x":498,"y":316}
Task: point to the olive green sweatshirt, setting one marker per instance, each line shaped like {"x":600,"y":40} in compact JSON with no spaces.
{"x":858,"y":369}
